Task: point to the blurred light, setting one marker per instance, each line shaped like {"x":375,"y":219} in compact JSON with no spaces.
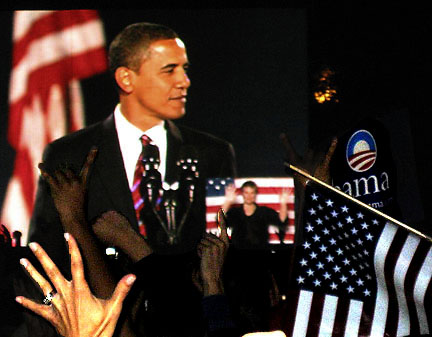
{"x":112,"y":252}
{"x":326,"y":90}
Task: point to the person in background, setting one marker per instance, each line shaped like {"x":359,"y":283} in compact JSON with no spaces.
{"x":250,"y":222}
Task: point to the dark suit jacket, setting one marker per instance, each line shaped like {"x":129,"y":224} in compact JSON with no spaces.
{"x":108,"y":187}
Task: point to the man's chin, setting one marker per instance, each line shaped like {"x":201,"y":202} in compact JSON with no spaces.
{"x":178,"y":115}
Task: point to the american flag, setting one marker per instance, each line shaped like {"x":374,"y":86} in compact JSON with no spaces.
{"x":52,"y":51}
{"x":357,"y":273}
{"x":269,"y":190}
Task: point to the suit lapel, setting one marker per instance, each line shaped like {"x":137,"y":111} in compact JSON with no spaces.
{"x":110,"y":169}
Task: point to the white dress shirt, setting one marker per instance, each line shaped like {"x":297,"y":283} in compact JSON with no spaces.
{"x":130,"y":144}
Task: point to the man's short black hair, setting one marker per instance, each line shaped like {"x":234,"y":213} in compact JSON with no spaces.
{"x":130,"y":46}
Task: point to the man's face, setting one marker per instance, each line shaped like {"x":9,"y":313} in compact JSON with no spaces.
{"x":160,"y":85}
{"x":249,"y":195}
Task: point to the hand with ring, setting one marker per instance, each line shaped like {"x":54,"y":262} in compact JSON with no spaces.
{"x":71,"y":307}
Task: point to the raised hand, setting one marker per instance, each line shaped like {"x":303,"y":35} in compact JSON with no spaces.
{"x":70,"y":306}
{"x":284,"y":196}
{"x":68,"y":191}
{"x":315,"y":163}
{"x":212,"y":250}
{"x":230,"y":197}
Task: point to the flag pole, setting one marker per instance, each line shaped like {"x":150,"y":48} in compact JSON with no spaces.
{"x":358,"y":202}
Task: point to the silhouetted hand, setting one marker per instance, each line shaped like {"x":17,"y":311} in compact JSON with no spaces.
{"x":5,"y":237}
{"x":74,"y":311}
{"x":68,"y":191}
{"x":113,"y":229}
{"x":315,"y":163}
{"x":212,"y":250}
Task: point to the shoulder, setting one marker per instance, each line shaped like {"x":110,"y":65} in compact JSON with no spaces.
{"x":90,"y":133}
{"x":74,"y":146}
{"x":191,"y":135}
{"x":216,"y":155}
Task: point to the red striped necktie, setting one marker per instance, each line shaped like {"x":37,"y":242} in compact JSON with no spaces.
{"x":137,"y":198}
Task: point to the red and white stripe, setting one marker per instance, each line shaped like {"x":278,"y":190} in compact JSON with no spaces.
{"x":52,"y":51}
{"x":402,"y":305}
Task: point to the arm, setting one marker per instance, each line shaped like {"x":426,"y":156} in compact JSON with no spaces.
{"x":212,"y":251}
{"x":68,"y":193}
{"x":74,"y":311}
{"x":113,"y":229}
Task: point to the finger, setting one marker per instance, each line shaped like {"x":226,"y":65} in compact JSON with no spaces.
{"x":4,"y":230}
{"x":44,"y":285}
{"x":77,"y":269}
{"x":46,"y":176}
{"x":60,"y":176}
{"x":6,"y":234}
{"x":48,"y":265}
{"x":207,"y":242}
{"x":69,"y":174}
{"x":87,"y":165}
{"x":39,"y":309}
{"x":212,"y":243}
{"x":290,"y":152}
{"x":330,"y":151}
{"x":221,"y":220}
{"x":121,"y":291}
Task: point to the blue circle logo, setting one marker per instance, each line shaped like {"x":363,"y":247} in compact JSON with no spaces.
{"x":361,"y":151}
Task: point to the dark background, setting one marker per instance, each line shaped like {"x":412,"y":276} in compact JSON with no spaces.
{"x":254,"y":70}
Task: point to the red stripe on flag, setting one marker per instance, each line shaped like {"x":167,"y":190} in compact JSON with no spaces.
{"x":51,"y":23}
{"x":42,"y":79}
{"x":23,"y":170}
{"x":51,"y":52}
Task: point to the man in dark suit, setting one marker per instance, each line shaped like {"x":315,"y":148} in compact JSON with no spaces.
{"x":149,"y":64}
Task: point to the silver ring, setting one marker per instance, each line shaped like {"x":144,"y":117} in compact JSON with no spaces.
{"x":49,"y":297}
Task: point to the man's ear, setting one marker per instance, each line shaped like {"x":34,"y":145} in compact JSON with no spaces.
{"x":123,"y":77}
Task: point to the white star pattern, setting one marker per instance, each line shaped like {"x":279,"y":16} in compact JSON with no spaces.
{"x":338,"y":256}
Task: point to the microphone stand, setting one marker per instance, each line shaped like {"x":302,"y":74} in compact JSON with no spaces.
{"x":173,"y":195}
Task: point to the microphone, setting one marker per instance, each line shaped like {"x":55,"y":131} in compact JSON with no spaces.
{"x":151,"y":175}
{"x":188,"y":164}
